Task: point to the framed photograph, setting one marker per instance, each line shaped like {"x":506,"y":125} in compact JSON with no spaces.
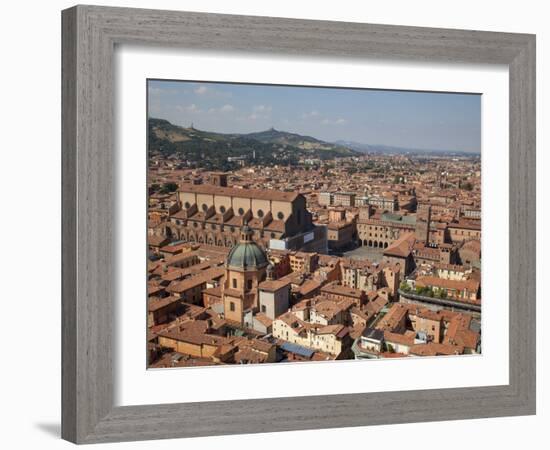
{"x":277,"y":224}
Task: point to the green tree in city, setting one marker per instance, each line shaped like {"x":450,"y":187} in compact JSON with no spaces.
{"x":168,"y":187}
{"x":467,"y":186}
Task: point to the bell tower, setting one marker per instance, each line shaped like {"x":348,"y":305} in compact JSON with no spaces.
{"x":245,"y":267}
{"x":422,"y":227}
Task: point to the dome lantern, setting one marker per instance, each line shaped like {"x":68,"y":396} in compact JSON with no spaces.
{"x":247,"y":255}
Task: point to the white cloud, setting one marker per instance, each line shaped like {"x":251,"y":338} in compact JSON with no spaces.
{"x":155,"y":107}
{"x":209,"y":91}
{"x":262,"y":108}
{"x":339,"y":121}
{"x":307,"y":115}
{"x":260,"y":112}
{"x":189,"y":108}
{"x":227,"y":108}
{"x":160,"y":91}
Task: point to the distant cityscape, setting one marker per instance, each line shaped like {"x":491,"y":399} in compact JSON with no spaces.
{"x":275,"y":246}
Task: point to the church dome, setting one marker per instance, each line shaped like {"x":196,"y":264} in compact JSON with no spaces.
{"x":247,"y":254}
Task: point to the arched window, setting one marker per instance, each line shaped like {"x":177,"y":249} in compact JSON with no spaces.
{"x":241,"y":211}
{"x":234,"y":283}
{"x":260,"y":213}
{"x":222,"y":209}
{"x":204,"y":207}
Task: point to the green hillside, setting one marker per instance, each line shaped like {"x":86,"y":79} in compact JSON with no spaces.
{"x":212,"y":150}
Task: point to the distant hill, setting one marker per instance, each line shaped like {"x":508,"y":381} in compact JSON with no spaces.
{"x":296,"y":140}
{"x":212,"y":150}
{"x":378,"y":148}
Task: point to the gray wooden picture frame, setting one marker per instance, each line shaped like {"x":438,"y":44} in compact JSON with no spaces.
{"x":90,"y":34}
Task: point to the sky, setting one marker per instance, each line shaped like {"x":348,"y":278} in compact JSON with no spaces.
{"x":415,"y":120}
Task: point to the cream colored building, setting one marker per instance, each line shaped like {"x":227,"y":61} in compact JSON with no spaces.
{"x":332,"y":339}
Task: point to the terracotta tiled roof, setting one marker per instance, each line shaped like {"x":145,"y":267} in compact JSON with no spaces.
{"x":263,"y":319}
{"x":156,"y":241}
{"x":338,"y":289}
{"x":274,"y":285}
{"x":467,"y":225}
{"x":241,"y":193}
{"x":402,"y":247}
{"x":433,"y":349}
{"x":403,"y":339}
{"x":459,"y":285}
{"x":196,"y":280}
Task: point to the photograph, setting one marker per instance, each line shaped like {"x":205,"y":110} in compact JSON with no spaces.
{"x":308,"y":224}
